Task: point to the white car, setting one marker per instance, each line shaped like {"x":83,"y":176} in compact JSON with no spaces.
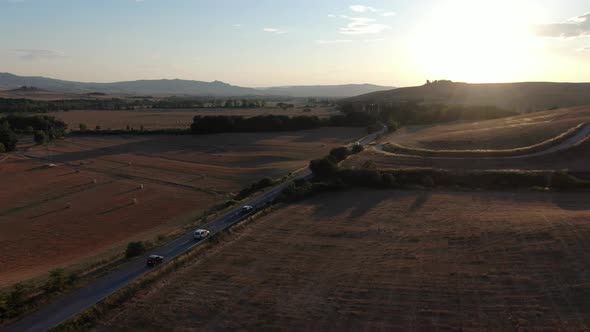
{"x":201,"y":234}
{"x":247,"y":209}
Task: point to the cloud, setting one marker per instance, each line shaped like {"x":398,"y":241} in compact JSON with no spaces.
{"x":375,"y":40}
{"x":578,"y":26}
{"x":273,"y":30}
{"x":362,"y":9}
{"x":37,"y":54}
{"x":388,"y":14}
{"x":335,"y":41}
{"x":237,"y":25}
{"x":362,"y":26}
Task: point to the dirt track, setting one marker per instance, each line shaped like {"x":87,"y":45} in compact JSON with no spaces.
{"x":388,"y":260}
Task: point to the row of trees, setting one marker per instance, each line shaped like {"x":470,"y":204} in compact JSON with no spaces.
{"x":415,"y":113}
{"x":43,"y":128}
{"x":265,"y":123}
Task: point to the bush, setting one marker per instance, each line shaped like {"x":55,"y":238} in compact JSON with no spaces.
{"x":2,"y":148}
{"x":357,"y":148}
{"x":388,"y":180}
{"x":57,"y":281}
{"x":264,"y":183}
{"x":323,"y":168}
{"x":40,"y":137}
{"x":134,"y":249}
{"x":8,"y":138}
{"x":339,"y":153}
{"x":83,"y":127}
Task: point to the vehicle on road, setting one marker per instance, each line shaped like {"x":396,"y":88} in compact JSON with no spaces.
{"x":247,"y":209}
{"x":200,"y":234}
{"x":154,"y":260}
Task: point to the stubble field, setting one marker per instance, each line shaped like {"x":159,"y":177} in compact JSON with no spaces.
{"x":170,"y":118}
{"x":384,"y":261}
{"x":84,"y":207}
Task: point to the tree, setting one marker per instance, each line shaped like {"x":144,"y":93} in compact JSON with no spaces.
{"x":339,"y":153}
{"x":56,"y":281}
{"x":83,"y":127}
{"x":134,"y":249}
{"x":40,"y":137}
{"x":8,"y":138}
{"x":323,"y":168}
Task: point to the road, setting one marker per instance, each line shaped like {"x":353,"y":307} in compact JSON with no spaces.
{"x":79,"y":300}
{"x":578,"y":137}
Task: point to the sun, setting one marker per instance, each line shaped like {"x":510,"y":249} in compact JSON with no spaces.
{"x":477,"y":41}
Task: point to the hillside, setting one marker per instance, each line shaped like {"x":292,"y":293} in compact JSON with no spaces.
{"x":33,"y":93}
{"x":183,"y":87}
{"x":523,"y":97}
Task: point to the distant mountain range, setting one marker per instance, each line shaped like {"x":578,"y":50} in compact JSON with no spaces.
{"x":522,"y":97}
{"x":183,"y":88}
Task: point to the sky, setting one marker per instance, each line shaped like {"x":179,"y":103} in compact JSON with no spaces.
{"x":260,"y":43}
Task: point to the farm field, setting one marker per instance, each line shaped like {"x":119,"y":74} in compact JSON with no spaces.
{"x":505,"y":133}
{"x":575,"y":159}
{"x":169,"y":118}
{"x":58,"y":216}
{"x":387,"y":260}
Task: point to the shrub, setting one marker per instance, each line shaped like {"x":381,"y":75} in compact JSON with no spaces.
{"x":83,"y":127}
{"x":339,"y":153}
{"x":388,"y":180}
{"x":8,"y":138}
{"x":40,"y":137}
{"x":2,"y":148}
{"x":56,"y":282}
{"x":428,"y":181}
{"x":323,"y":168}
{"x":134,"y":249}
{"x":357,"y":148}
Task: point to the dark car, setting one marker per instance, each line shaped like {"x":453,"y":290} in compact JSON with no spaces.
{"x":154,"y":260}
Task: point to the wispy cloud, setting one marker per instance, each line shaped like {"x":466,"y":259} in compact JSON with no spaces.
{"x":578,"y":26}
{"x":237,"y":25}
{"x":362,"y":26}
{"x":374,"y":40}
{"x":362,"y":9}
{"x":274,"y":30}
{"x":334,"y":41}
{"x":388,"y":14}
{"x":37,"y":54}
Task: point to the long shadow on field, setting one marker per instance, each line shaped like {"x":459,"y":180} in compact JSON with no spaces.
{"x":116,"y":209}
{"x":49,"y":212}
{"x":572,"y":201}
{"x":362,"y":205}
{"x":419,"y":202}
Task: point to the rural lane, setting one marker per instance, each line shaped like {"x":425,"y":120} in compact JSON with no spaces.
{"x":71,"y":304}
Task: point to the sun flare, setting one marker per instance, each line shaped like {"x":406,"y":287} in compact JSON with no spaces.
{"x":477,"y":42}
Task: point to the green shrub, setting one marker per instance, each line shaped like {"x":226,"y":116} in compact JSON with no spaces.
{"x":2,"y":148}
{"x":56,"y":282}
{"x":323,"y":168}
{"x":339,"y":153}
{"x":134,"y":249}
{"x":40,"y":137}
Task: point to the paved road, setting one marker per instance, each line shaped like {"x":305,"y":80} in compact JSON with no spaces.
{"x":78,"y":301}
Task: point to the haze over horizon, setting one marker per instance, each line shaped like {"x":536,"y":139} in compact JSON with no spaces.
{"x":280,"y":43}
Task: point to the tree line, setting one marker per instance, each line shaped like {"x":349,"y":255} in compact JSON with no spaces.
{"x":266,"y":123}
{"x":44,"y":128}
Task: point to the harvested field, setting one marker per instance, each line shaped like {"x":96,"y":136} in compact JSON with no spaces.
{"x":57,"y":216}
{"x":575,"y":159}
{"x":506,"y":133}
{"x":387,"y":260}
{"x":169,"y":118}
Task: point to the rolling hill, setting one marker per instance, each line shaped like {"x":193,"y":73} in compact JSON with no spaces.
{"x":523,"y":97}
{"x":183,"y":88}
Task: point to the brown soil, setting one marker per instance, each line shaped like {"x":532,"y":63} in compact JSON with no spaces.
{"x":507,"y":133}
{"x":386,"y":261}
{"x":168,"y":118}
{"x":182,"y":177}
